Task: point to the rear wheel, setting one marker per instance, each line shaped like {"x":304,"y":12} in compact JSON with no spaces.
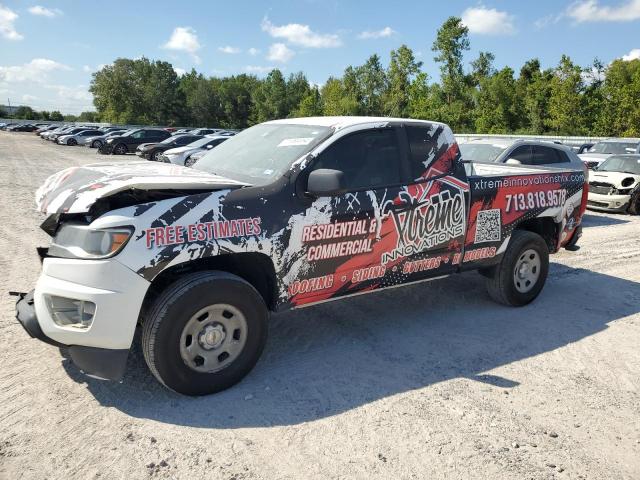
{"x":520,"y":276}
{"x":120,"y":149}
{"x":205,"y":332}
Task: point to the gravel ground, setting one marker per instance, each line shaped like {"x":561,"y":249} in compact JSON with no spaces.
{"x":426,"y":381}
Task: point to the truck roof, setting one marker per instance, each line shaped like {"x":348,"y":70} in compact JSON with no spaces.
{"x":344,"y":121}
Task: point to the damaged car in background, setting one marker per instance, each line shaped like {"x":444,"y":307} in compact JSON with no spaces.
{"x":614,"y":185}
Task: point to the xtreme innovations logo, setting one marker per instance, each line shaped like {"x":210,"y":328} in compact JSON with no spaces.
{"x":424,"y":223}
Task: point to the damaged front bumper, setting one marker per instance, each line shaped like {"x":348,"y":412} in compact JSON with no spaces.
{"x":99,"y":347}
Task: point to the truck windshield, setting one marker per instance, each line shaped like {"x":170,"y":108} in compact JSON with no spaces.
{"x":481,"y":152}
{"x":614,"y":147}
{"x":630,"y":164}
{"x":260,"y":154}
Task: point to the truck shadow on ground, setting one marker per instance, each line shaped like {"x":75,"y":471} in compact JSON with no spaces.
{"x":324,"y":360}
{"x":590,"y":220}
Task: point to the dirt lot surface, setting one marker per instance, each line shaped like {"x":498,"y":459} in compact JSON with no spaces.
{"x":426,"y":381}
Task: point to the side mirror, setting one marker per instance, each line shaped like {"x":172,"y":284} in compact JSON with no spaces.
{"x":513,"y":161}
{"x":325,"y":182}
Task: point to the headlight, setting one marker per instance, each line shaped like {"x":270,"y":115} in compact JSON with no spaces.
{"x":110,"y":140}
{"x":81,"y":241}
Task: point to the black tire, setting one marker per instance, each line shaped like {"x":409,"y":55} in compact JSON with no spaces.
{"x":176,"y":306}
{"x":120,"y":149}
{"x":155,"y":156}
{"x":190,"y":162}
{"x":96,"y":144}
{"x":501,"y":279}
{"x":634,"y":203}
{"x":72,"y":142}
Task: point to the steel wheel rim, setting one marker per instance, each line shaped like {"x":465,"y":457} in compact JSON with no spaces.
{"x":213,"y":338}
{"x":527,"y":271}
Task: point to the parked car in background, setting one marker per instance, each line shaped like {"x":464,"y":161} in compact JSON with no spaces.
{"x":152,"y":151}
{"x":71,"y":131}
{"x":614,"y":185}
{"x":75,"y":139}
{"x":205,"y":131}
{"x":581,"y":148}
{"x":97,"y":141}
{"x":181,"y":155}
{"x":129,"y":141}
{"x":194,"y":158}
{"x":25,"y":127}
{"x":181,"y":131}
{"x":604,"y":149}
{"x":521,"y":152}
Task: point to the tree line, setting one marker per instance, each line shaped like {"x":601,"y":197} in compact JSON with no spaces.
{"x":24,"y":112}
{"x":567,"y":99}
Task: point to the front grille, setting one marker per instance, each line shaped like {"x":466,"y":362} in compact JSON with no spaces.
{"x":600,"y":188}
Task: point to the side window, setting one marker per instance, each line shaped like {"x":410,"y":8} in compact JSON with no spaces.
{"x":546,"y":156}
{"x":184,"y":141}
{"x":422,"y":149}
{"x":522,"y":154}
{"x":138,"y":134}
{"x":368,"y":159}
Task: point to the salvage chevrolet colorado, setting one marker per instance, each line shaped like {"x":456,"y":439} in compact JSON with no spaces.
{"x":286,"y":214}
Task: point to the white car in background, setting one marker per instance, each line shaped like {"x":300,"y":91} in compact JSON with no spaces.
{"x":614,"y":185}
{"x":604,"y":149}
{"x":101,"y":138}
{"x":77,"y":138}
{"x":180,"y":155}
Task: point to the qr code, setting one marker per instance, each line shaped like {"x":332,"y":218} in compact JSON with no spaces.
{"x":488,"y":226}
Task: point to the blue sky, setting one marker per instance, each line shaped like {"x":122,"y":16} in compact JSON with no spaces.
{"x":48,"y":49}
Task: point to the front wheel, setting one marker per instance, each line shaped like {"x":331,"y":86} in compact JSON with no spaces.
{"x":155,"y":156}
{"x":205,"y":332}
{"x":96,"y":144}
{"x":120,"y":149}
{"x":520,"y":276}
{"x":72,"y":142}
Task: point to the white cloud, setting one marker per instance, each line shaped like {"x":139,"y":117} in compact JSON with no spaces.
{"x":7,"y":29}
{"x":279,"y":52}
{"x":36,"y":70}
{"x":632,"y":55}
{"x":301,"y":35}
{"x":591,"y":11}
{"x":179,"y":71}
{"x":44,"y":12}
{"x":87,"y":69}
{"x":488,"y":21}
{"x":184,"y":39}
{"x":253,"y":51}
{"x":258,"y":69}
{"x":28,"y":98}
{"x":229,"y":49}
{"x":384,"y":33}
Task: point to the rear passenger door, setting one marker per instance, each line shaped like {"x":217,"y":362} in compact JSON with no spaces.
{"x":543,"y":155}
{"x":522,"y":154}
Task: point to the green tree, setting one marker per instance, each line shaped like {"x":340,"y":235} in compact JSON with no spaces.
{"x":310,"y":105}
{"x":335,"y":100}
{"x":620,"y":109}
{"x":297,"y":88}
{"x":402,"y":70}
{"x":496,"y":110}
{"x":90,"y":117}
{"x":26,"y":113}
{"x":565,"y":100}
{"x":452,"y":40}
{"x":270,"y":97}
{"x":238,"y":109}
{"x":56,"y":116}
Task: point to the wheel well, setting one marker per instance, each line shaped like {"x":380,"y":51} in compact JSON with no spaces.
{"x":545,"y":227}
{"x":255,"y":268}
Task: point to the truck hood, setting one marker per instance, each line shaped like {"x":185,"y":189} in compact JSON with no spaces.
{"x":614,"y":178}
{"x":76,"y":189}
